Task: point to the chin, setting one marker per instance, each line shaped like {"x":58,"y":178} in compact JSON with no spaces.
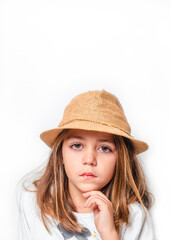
{"x":90,"y":188}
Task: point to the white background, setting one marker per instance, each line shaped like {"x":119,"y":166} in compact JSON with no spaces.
{"x":53,"y":50}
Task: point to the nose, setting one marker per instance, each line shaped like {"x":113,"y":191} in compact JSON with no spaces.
{"x":89,"y":157}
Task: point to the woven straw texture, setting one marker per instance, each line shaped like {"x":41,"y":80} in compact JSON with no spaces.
{"x":96,"y":110}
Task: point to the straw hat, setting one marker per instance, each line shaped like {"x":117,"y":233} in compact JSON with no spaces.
{"x":96,"y":110}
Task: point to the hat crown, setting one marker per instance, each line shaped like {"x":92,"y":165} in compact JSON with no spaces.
{"x":97,"y":106}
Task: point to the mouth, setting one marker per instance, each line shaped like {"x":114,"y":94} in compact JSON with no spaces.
{"x":88,"y":175}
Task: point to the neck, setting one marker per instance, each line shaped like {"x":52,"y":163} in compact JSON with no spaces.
{"x":79,"y":200}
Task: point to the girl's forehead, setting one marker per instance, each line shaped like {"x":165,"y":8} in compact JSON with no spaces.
{"x":87,"y":133}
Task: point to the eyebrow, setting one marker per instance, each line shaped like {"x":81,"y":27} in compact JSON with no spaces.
{"x":99,"y":140}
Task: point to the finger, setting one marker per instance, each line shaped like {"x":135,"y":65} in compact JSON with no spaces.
{"x":94,"y":193}
{"x":93,"y":200}
{"x":90,"y":200}
{"x":101,"y":204}
{"x":105,"y":200}
{"x":94,"y":206}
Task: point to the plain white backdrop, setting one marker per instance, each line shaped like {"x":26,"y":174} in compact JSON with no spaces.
{"x":53,"y":50}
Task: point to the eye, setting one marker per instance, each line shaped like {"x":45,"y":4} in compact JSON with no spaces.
{"x":76,"y":146}
{"x":106,"y":149}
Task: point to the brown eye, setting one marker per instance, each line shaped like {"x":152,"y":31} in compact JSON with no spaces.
{"x":106,"y":149}
{"x":76,"y":146}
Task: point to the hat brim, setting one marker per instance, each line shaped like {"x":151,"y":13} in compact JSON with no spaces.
{"x":49,"y":136}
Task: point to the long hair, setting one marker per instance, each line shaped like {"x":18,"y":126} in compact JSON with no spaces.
{"x":127,"y":185}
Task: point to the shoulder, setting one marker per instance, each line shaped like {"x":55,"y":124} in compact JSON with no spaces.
{"x":140,"y":223}
{"x":23,"y":194}
{"x":26,"y":200}
{"x":137,"y":210}
{"x":30,"y":224}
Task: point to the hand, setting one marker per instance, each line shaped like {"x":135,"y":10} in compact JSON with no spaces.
{"x":103,"y":212}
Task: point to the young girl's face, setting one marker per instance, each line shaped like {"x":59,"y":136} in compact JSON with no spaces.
{"x":89,"y":159}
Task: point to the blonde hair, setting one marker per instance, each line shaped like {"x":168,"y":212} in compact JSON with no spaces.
{"x":126,"y":186}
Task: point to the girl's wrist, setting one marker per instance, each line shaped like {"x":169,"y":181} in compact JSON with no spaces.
{"x":110,"y":235}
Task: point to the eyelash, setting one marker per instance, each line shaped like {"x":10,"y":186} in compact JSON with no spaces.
{"x":81,"y":145}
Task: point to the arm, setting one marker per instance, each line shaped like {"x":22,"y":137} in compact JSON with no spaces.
{"x":139,"y":228}
{"x":111,"y":236}
{"x":103,"y":214}
{"x":25,"y":219}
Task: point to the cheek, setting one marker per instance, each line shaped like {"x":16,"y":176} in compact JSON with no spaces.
{"x":109,"y":168}
{"x":69,"y":162}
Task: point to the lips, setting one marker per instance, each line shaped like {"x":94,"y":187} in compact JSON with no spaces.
{"x":88,"y":174}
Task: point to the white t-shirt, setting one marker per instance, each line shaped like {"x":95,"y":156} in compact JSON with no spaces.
{"x":31,"y":227}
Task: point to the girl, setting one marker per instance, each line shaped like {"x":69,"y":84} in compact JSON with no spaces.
{"x":93,"y":186}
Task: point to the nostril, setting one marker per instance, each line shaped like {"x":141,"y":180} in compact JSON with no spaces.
{"x":89,"y":156}
{"x":91,"y":160}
